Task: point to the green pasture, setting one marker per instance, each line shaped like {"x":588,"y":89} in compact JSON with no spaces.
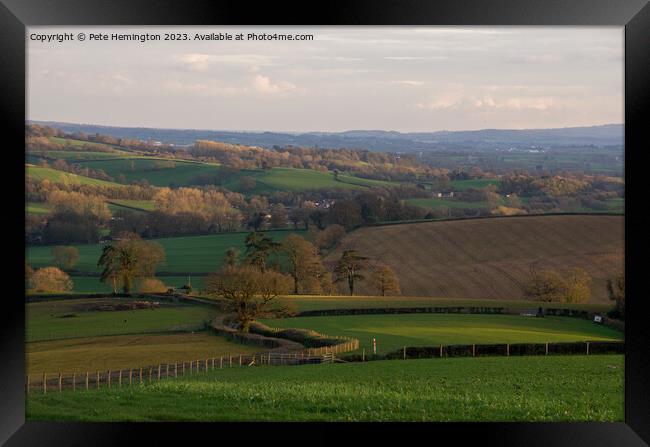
{"x":463,"y":185}
{"x":142,"y":205}
{"x":37,"y":208}
{"x":127,"y":351}
{"x":74,"y":318}
{"x":156,"y":171}
{"x":41,"y":173}
{"x":393,"y":332}
{"x":555,"y":388}
{"x":432,"y":204}
{"x":184,"y":254}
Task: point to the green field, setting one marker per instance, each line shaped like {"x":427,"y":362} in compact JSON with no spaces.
{"x":393,"y":332}
{"x":75,"y":156}
{"x":126,"y":351}
{"x":41,"y":173}
{"x":289,"y":179}
{"x":54,"y":320}
{"x":184,"y":254}
{"x":555,"y":388}
{"x":464,"y":185}
{"x":143,"y":205}
{"x":432,"y":204}
{"x":156,"y":171}
{"x":37,"y":208}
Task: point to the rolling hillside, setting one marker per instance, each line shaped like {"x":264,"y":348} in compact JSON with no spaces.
{"x":491,"y":258}
{"x":41,"y":173}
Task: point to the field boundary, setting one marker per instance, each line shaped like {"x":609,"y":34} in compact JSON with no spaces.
{"x":448,"y":219}
{"x":547,"y":311}
{"x":587,"y":347}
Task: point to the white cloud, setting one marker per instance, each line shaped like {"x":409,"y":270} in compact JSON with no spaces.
{"x":264,"y":85}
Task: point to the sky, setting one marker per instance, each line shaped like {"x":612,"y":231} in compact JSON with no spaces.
{"x":405,"y":79}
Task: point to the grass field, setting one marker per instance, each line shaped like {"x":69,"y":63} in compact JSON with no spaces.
{"x":432,"y":204}
{"x":158,"y":172}
{"x":76,"y":156}
{"x":143,"y":205}
{"x":490,"y":258}
{"x":555,"y":388}
{"x":55,"y":176}
{"x":314,"y":302}
{"x":184,"y":254}
{"x":53,"y":320}
{"x":393,"y":332}
{"x":464,"y":185}
{"x":126,"y":351}
{"x":37,"y":208}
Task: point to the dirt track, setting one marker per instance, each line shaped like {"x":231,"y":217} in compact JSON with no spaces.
{"x":490,"y":258}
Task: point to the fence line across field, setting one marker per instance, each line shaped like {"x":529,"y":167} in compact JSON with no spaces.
{"x":155,"y":373}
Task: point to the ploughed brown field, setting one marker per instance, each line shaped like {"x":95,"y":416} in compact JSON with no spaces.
{"x":490,"y":258}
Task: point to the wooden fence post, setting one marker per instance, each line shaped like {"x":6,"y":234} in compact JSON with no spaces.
{"x":587,"y":348}
{"x":97,"y":379}
{"x":150,"y":373}
{"x":60,"y":377}
{"x":120,"y":379}
{"x":239,"y":359}
{"x":191,"y":362}
{"x":87,"y":374}
{"x":363,"y":355}
{"x":213,"y":363}
{"x":140,"y":374}
{"x":109,"y":379}
{"x":44,"y":383}
{"x":508,"y":349}
{"x":175,"y":370}
{"x":440,"y":351}
{"x":230,"y":359}
{"x":159,"y":372}
{"x":546,"y":348}
{"x":167,"y":371}
{"x":206,"y":365}
{"x":183,"y":371}
{"x":221,"y":362}
{"x":404,"y":352}
{"x":130,"y":376}
{"x":473,"y":350}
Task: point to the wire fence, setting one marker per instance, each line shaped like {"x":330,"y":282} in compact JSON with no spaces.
{"x":154,"y":373}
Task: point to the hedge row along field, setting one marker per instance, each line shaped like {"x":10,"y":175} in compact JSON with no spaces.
{"x":490,"y":258}
{"x":454,"y":389}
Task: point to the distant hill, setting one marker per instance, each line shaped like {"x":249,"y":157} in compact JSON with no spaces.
{"x":377,"y":140}
{"x":490,"y":258}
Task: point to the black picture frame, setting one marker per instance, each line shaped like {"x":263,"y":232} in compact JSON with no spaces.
{"x":15,"y":15}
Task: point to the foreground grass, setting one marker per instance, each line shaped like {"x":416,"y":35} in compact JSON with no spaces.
{"x":126,"y":351}
{"x":393,"y":332}
{"x":52,"y":320}
{"x":571,"y":388}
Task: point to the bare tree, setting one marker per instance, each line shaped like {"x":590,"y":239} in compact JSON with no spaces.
{"x":248,"y":292}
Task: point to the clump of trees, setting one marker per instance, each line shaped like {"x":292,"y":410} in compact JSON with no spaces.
{"x":385,"y":280}
{"x":48,"y":280}
{"x":65,"y":257}
{"x":616,"y":292}
{"x":570,"y":286}
{"x":127,"y":259}
{"x":151,"y":285}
